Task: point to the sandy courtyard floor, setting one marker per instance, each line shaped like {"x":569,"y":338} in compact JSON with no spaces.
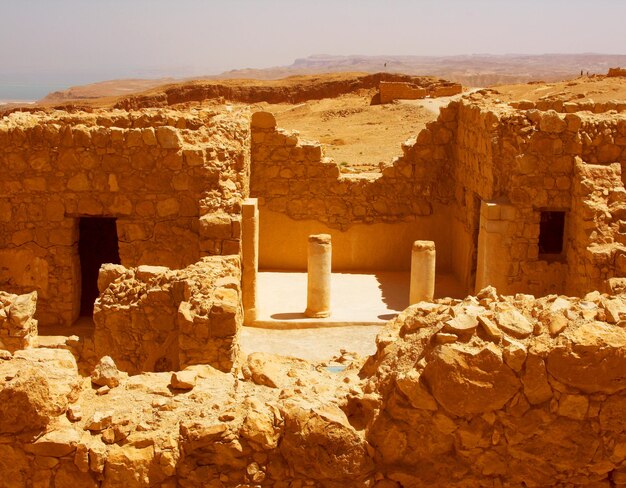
{"x":311,"y":344}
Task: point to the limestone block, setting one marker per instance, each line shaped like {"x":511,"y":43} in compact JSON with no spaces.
{"x":216,"y":225}
{"x":38,"y":386}
{"x":263,"y":120}
{"x":592,"y":358}
{"x":57,"y":443}
{"x":467,"y":381}
{"x":106,"y":373}
{"x":168,"y":137}
{"x":183,"y":380}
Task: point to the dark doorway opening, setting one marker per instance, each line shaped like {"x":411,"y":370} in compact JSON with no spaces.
{"x":551,"y":230}
{"x":97,"y":245}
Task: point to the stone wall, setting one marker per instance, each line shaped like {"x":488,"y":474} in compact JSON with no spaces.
{"x":173,"y":181}
{"x":398,"y":90}
{"x":390,"y":91}
{"x":569,"y":107}
{"x":292,"y":178}
{"x":18,"y":327}
{"x":615,"y":72}
{"x":152,"y":318}
{"x":501,"y":391}
{"x":488,"y":391}
{"x":541,"y":158}
{"x":478,"y":151}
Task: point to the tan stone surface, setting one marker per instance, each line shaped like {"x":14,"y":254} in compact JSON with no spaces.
{"x":457,"y":410}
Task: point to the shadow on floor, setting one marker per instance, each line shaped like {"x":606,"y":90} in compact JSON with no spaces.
{"x":289,"y":316}
{"x":394,"y":288}
{"x":388,"y":316}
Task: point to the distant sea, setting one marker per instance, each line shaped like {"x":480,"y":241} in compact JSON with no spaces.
{"x":29,"y":91}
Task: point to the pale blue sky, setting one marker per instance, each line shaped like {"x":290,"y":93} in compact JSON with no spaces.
{"x":97,"y":39}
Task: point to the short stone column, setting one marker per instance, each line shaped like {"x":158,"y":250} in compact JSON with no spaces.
{"x":422,"y":272}
{"x":250,"y":258}
{"x":319,"y":271}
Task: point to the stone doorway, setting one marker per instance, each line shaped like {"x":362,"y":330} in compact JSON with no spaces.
{"x":97,"y":245}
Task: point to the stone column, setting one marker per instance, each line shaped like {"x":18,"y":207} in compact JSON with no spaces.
{"x":422,"y":272}
{"x":250,"y":258}
{"x":319,"y":270}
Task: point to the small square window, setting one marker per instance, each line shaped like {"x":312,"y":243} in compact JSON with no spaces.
{"x":551,"y":229}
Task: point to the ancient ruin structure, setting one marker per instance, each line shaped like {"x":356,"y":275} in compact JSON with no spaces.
{"x":156,"y":222}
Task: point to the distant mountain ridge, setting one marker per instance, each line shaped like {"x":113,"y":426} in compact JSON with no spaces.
{"x":469,"y":70}
{"x":479,"y":70}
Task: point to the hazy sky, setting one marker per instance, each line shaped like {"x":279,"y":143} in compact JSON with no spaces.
{"x":85,"y":39}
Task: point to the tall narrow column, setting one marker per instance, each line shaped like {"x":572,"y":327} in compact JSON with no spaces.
{"x":422,"y":272}
{"x":250,"y":258}
{"x":319,"y":270}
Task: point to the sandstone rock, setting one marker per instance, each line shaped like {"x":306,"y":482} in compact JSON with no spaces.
{"x":23,"y":309}
{"x":592,"y":358}
{"x":557,"y":322}
{"x":147,"y":273}
{"x":490,"y":328}
{"x":552,"y":122}
{"x":108,"y":274}
{"x":573,"y":406}
{"x":99,"y":421}
{"x":514,"y":354}
{"x":14,"y":466}
{"x":74,"y":413}
{"x":464,"y":324}
{"x":417,"y":393}
{"x":513,"y":322}
{"x":42,"y":383}
{"x":615,"y":311}
{"x":469,"y":380}
{"x":128,"y":466}
{"x":263,"y":120}
{"x":57,"y":443}
{"x":183,"y":380}
{"x":446,"y":338}
{"x":262,"y":425}
{"x":106,"y":373}
{"x":535,"y":380}
{"x":273,"y":370}
{"x":339,"y":455}
{"x":168,"y":137}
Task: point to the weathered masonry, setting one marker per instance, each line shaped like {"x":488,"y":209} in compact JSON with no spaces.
{"x":525,"y":200}
{"x":152,"y":187}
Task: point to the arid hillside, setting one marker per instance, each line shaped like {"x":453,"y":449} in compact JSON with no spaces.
{"x":479,"y":70}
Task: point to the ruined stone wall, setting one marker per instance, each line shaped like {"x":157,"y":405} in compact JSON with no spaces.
{"x":173,"y":181}
{"x":398,"y":90}
{"x":292,"y":179}
{"x":155,"y":319}
{"x":18,"y":326}
{"x":535,"y":171}
{"x":472,"y":393}
{"x":569,"y":107}
{"x":615,"y":72}
{"x":488,"y":391}
{"x":390,"y":91}
{"x":478,"y":151}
